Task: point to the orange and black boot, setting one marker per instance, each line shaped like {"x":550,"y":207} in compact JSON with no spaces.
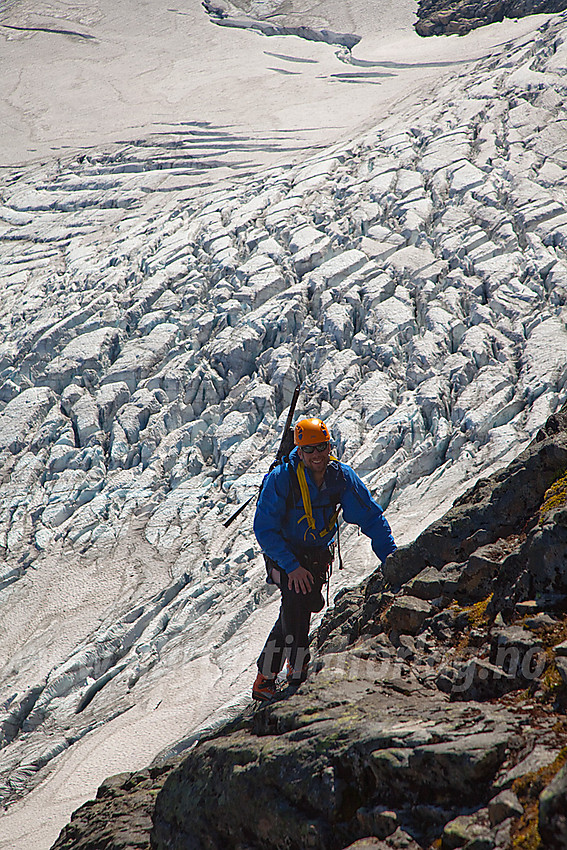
{"x":263,"y":689}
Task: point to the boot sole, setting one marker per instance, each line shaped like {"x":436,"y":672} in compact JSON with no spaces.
{"x":263,"y":697}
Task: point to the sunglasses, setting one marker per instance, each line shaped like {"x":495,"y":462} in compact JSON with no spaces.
{"x":321,"y":447}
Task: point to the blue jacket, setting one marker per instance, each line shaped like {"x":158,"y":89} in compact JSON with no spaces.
{"x":278,"y":524}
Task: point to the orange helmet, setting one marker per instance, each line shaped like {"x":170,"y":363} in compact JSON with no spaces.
{"x":309,"y":432}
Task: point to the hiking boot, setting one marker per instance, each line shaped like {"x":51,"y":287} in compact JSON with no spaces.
{"x":292,"y":678}
{"x":263,"y":689}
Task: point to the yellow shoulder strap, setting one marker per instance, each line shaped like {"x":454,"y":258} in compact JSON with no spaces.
{"x":308,"y":515}
{"x":306,"y":498}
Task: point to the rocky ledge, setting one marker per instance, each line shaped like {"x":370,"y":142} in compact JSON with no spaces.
{"x":434,"y":716}
{"x":450,"y":17}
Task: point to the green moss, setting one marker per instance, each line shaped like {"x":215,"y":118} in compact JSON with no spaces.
{"x":552,"y":680}
{"x":325,"y":743}
{"x":550,"y":636}
{"x":555,"y":497}
{"x":478,"y":612}
{"x":528,"y":788}
{"x":477,"y":616}
{"x":312,"y":712}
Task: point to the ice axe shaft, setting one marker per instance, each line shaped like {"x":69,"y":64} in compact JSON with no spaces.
{"x":285,"y":436}
{"x":239,"y":510}
{"x":282,"y":450}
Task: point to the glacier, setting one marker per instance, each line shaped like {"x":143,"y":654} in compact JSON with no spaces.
{"x":412,"y":276}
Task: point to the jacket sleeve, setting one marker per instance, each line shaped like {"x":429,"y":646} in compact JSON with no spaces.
{"x":269,"y":519}
{"x":360,"y":508}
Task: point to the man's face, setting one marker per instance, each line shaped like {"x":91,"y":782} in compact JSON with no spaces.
{"x":316,"y":460}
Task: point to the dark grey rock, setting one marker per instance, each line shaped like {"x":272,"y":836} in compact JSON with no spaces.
{"x":303,"y":761}
{"x":407,"y":647}
{"x":340,"y":623}
{"x":450,"y":576}
{"x":553,"y":813}
{"x":561,"y":664}
{"x":407,"y":614}
{"x":467,"y":831}
{"x":497,"y":505}
{"x":121,"y":815}
{"x":540,"y":621}
{"x":475,"y":579}
{"x":399,"y":840}
{"x":504,"y":805}
{"x":480,"y":842}
{"x":478,"y":679}
{"x":450,"y":17}
{"x":541,"y":756}
{"x":377,"y":821}
{"x":426,"y":585}
{"x":518,"y":652}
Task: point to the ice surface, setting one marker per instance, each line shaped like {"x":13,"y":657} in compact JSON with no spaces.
{"x":160,"y":297}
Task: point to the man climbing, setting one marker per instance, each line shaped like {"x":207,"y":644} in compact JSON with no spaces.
{"x":295,"y":524}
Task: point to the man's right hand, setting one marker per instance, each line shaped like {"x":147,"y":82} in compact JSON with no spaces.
{"x":300,"y":580}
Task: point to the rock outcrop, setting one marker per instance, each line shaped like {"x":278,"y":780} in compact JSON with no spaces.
{"x":445,"y":729}
{"x":450,"y":17}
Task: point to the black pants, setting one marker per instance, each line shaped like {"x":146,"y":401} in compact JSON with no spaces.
{"x":289,"y":638}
